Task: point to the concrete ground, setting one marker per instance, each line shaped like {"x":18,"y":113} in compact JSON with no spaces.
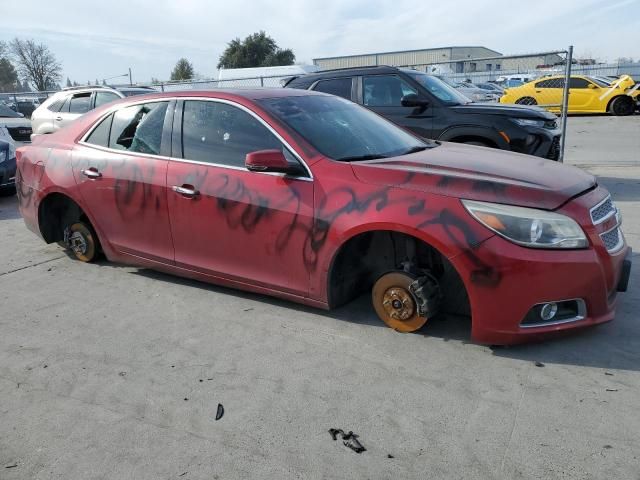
{"x":110,"y":372}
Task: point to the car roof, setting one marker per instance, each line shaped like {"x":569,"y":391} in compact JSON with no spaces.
{"x":246,"y":93}
{"x":345,"y":72}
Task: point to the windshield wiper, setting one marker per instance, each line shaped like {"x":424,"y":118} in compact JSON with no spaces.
{"x":419,"y":148}
{"x":361,"y":157}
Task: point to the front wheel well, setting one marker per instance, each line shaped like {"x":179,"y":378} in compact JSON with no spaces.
{"x":362,"y":259}
{"x":56,"y":212}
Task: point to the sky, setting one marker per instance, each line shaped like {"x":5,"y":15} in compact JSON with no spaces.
{"x":97,"y":40}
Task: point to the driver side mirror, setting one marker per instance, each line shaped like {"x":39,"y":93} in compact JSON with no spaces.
{"x":592,"y":86}
{"x":267,"y":161}
{"x":413,"y":100}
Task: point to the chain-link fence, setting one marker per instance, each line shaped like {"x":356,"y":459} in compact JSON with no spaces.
{"x":511,"y":79}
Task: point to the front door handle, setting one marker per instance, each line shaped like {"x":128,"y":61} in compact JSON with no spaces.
{"x":58,"y":119}
{"x":91,"y":172}
{"x":186,"y":190}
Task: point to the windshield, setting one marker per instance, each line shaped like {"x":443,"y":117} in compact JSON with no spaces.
{"x":440,"y":89}
{"x":7,"y":112}
{"x":342,"y":130}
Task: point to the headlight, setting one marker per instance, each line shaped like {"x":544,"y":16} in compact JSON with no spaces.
{"x":528,"y":226}
{"x":478,"y":96}
{"x":528,"y":122}
{"x":3,"y":155}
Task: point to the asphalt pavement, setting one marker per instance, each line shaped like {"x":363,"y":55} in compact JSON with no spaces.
{"x":113,"y":372}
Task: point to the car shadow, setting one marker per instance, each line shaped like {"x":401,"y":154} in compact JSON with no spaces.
{"x":613,"y":346}
{"x":9,"y":207}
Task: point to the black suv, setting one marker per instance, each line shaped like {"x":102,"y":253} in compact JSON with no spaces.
{"x":429,"y":107}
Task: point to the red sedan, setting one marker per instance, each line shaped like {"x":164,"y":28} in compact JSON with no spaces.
{"x":312,"y":198}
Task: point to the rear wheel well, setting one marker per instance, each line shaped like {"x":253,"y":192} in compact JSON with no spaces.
{"x":56,"y":212}
{"x":363,"y":258}
{"x":474,"y":138}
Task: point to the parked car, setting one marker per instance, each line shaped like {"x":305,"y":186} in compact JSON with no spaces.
{"x":64,"y":107}
{"x":586,"y":95}
{"x":7,"y":163}
{"x":492,"y":87}
{"x":313,"y":198}
{"x":18,"y":127}
{"x":470,"y":91}
{"x":26,"y":106}
{"x":432,"y":109}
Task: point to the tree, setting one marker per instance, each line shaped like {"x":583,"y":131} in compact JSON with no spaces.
{"x":183,"y":70}
{"x":8,"y":76}
{"x":68,"y":82}
{"x":36,"y":63}
{"x":257,"y":50}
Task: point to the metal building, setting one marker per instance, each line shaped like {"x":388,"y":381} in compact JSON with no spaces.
{"x":457,"y":59}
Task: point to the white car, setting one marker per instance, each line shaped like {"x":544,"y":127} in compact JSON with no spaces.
{"x":18,"y":127}
{"x":64,"y":107}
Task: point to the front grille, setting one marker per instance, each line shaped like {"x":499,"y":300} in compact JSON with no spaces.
{"x":603,"y":211}
{"x":612,"y":240}
{"x":554,"y":149}
{"x":20,"y":134}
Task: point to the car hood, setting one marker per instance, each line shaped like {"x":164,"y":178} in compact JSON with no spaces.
{"x":479,"y":173}
{"x":516,"y":111}
{"x":15,"y":122}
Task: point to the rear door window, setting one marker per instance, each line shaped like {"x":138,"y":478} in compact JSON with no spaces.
{"x":105,"y":97}
{"x":139,"y":128}
{"x":336,"y":86}
{"x":80,"y":103}
{"x":100,"y":134}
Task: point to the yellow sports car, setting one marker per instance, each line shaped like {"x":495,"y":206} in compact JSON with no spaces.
{"x":586,"y":94}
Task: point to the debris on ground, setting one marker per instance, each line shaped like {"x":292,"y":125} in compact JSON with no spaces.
{"x":220,"y":412}
{"x":183,"y":474}
{"x":609,"y":373}
{"x":608,"y":447}
{"x":350,"y":439}
{"x":247,"y":309}
{"x":612,"y":389}
{"x":186,"y":399}
{"x":390,"y":456}
{"x":122,"y":374}
{"x":14,"y":465}
{"x":539,"y":364}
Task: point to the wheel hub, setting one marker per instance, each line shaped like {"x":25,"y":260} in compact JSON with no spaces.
{"x":398,"y":303}
{"x":77,"y":243}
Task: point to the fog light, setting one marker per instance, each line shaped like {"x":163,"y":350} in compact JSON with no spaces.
{"x":548,"y":311}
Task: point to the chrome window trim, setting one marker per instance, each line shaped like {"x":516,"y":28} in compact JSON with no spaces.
{"x":582,"y":314}
{"x":83,"y":139}
{"x":614,"y":211}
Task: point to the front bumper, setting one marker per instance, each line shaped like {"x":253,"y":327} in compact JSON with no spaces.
{"x":506,"y":281}
{"x":546,"y":143}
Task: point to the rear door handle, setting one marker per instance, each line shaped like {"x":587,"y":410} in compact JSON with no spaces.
{"x":91,"y":172}
{"x":186,"y":190}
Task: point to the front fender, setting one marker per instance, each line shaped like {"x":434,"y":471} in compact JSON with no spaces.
{"x":491,"y":134}
{"x":439,"y":221}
